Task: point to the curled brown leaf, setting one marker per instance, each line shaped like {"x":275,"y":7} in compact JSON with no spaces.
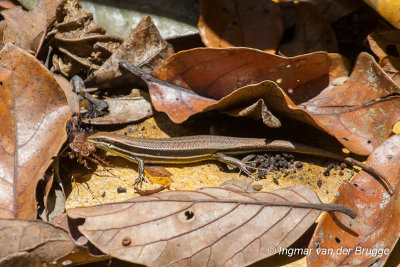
{"x":82,"y":43}
{"x":144,"y":47}
{"x":359,"y":111}
{"x":369,"y":238}
{"x":312,"y":88}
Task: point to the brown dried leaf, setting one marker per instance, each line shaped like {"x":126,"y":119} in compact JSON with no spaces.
{"x":34,"y":112}
{"x":124,"y":110}
{"x":391,"y":65}
{"x":386,"y":46}
{"x":52,"y":198}
{"x":68,"y":89}
{"x":312,"y":88}
{"x":5,"y":4}
{"x":54,"y":203}
{"x":25,"y":29}
{"x":273,"y":98}
{"x":256,"y":111}
{"x":360,"y":112}
{"x":158,"y":175}
{"x":83,"y":44}
{"x":386,"y":43}
{"x":84,"y":251}
{"x":41,"y":240}
{"x":217,"y":226}
{"x":255,"y":24}
{"x":144,"y":47}
{"x":20,"y":259}
{"x":313,"y":33}
{"x":51,"y":7}
{"x":215,"y":73}
{"x":378,"y":216}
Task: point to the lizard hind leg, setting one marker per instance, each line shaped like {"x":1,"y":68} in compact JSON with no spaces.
{"x":233,"y":161}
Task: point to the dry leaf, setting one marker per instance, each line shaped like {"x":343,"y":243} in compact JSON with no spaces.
{"x":386,"y":46}
{"x":311,"y":89}
{"x":212,"y":226}
{"x":255,"y":24}
{"x":158,"y":175}
{"x":360,"y":112}
{"x":54,"y":201}
{"x":20,"y":259}
{"x":68,"y":89}
{"x":5,"y":4}
{"x":391,"y":65}
{"x":25,"y":29}
{"x":82,"y":43}
{"x":177,"y":102}
{"x":51,"y":7}
{"x":215,"y":73}
{"x":378,"y":215}
{"x":34,"y":112}
{"x":124,"y":110}
{"x":144,"y":47}
{"x":385,"y":43}
{"x":312,"y":33}
{"x":256,"y":111}
{"x":41,"y":240}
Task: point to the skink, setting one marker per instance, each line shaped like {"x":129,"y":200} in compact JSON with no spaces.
{"x":187,"y":149}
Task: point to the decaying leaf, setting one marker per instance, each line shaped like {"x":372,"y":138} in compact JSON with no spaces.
{"x":176,"y":101}
{"x":144,"y":47}
{"x":375,"y":229}
{"x":256,"y":111}
{"x":84,"y":251}
{"x":211,"y":226}
{"x":310,"y":88}
{"x":83,"y":44}
{"x":360,"y":112}
{"x":40,"y":240}
{"x":72,"y":97}
{"x":215,"y":73}
{"x":255,"y":24}
{"x":5,"y":4}
{"x":25,"y":29}
{"x":34,"y":112}
{"x":45,"y":196}
{"x":20,"y":259}
{"x":158,"y":175}
{"x":385,"y":43}
{"x":54,"y":200}
{"x":124,"y":110}
{"x":313,"y":33}
{"x":386,"y":46}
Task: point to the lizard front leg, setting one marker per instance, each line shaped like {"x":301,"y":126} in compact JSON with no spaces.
{"x":142,"y":177}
